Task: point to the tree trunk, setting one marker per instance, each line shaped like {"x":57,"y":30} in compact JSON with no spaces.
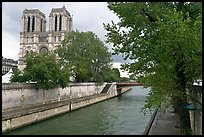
{"x":181,"y":100}
{"x":183,"y":114}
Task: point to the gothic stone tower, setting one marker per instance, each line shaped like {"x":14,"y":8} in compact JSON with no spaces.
{"x":35,"y":38}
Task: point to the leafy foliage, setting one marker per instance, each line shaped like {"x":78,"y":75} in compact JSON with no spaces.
{"x":164,"y":41}
{"x":44,"y":70}
{"x":17,"y":76}
{"x":111,"y":75}
{"x":86,"y":55}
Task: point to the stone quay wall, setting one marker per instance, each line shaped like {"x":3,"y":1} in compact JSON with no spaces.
{"x":23,"y":104}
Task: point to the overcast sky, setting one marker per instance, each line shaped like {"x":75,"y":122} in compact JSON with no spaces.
{"x":87,"y":16}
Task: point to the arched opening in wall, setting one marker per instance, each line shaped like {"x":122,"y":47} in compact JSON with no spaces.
{"x":28,"y":25}
{"x":27,"y":39}
{"x":43,"y":50}
{"x":60,"y":23}
{"x":33,"y":24}
{"x":26,"y":52}
{"x":55,"y":23}
{"x":41,"y":25}
{"x":55,"y":38}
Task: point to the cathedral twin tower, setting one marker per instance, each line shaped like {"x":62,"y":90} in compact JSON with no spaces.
{"x":35,"y":38}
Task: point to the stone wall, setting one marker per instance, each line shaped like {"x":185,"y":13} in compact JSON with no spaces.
{"x":17,"y":96}
{"x":196,"y":114}
{"x":23,"y":95}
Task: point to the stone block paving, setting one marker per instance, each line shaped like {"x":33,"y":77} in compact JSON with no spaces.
{"x":166,"y":122}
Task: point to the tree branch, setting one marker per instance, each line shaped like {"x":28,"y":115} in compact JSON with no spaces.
{"x":151,"y":19}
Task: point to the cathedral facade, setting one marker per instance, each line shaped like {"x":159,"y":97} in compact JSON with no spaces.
{"x":35,"y":38}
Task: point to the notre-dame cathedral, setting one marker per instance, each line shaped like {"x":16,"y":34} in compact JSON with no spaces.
{"x":35,"y":38}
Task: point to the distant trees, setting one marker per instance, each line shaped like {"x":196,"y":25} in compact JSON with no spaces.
{"x":44,"y":70}
{"x":86,"y":55}
{"x":111,"y":75}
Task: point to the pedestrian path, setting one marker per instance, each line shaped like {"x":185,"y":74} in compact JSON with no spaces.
{"x":166,"y":122}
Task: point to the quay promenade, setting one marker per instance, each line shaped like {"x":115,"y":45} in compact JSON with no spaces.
{"x":165,"y":122}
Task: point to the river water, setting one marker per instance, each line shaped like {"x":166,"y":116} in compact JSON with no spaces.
{"x":117,"y":116}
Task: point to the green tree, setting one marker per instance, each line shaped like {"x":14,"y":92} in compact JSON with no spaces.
{"x":86,"y":54}
{"x":124,"y":79}
{"x":17,"y":76}
{"x":111,"y":75}
{"x":117,"y":73}
{"x":44,"y":70}
{"x":164,"y":40}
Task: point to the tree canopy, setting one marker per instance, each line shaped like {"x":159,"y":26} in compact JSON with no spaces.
{"x":164,"y":41}
{"x":44,"y":70}
{"x":86,"y":54}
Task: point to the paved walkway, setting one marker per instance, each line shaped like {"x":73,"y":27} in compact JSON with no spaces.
{"x":165,"y":122}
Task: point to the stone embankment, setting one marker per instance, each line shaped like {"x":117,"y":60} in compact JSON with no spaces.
{"x":24,"y":104}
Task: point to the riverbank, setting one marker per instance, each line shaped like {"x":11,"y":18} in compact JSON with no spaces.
{"x":21,"y":116}
{"x":164,"y":122}
{"x":116,"y":116}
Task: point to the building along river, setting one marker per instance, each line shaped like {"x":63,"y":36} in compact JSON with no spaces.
{"x":117,"y":116}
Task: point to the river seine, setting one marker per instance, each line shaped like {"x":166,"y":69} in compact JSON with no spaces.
{"x":117,"y":116}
